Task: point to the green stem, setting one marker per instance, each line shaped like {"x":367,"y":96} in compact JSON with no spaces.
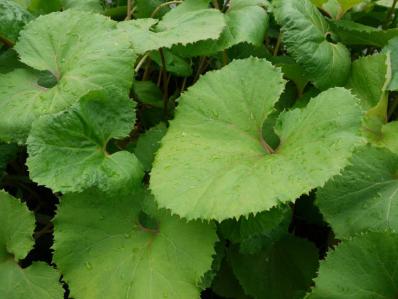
{"x":160,"y":6}
{"x":165,"y":82}
{"x":116,"y":12}
{"x":389,"y":14}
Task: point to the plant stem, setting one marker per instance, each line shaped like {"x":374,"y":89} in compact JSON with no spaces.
{"x":165,"y":82}
{"x":200,"y":67}
{"x":278,"y":44}
{"x":225,"y":57}
{"x":265,"y":145}
{"x":389,"y":14}
{"x":141,"y":62}
{"x":393,"y":107}
{"x":215,"y":4}
{"x":160,"y":6}
{"x":129,"y":14}
{"x":116,"y":12}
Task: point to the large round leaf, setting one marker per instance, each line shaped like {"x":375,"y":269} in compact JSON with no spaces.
{"x":365,"y":267}
{"x":365,"y":196}
{"x":106,"y":247}
{"x":305,"y":34}
{"x":67,"y":151}
{"x":78,"y":51}
{"x":216,"y":160}
{"x":38,"y":281}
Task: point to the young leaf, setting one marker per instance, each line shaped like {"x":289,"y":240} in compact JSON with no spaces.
{"x":238,"y":29}
{"x":305,"y":35}
{"x":364,"y":267}
{"x":283,"y":271}
{"x":219,"y":164}
{"x":351,"y":33}
{"x":365,"y":196}
{"x":148,"y":144}
{"x":67,"y":151}
{"x":189,"y":22}
{"x":13,"y":18}
{"x":106,"y":249}
{"x":39,"y":281}
{"x":80,"y":50}
{"x":369,"y":79}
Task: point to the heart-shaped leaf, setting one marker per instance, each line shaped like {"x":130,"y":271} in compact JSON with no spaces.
{"x":67,"y":151}
{"x":218,"y":162}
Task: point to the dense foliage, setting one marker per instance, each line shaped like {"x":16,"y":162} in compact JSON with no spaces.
{"x":198,"y":149}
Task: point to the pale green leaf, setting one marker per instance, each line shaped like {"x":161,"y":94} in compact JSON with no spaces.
{"x":389,"y":137}
{"x":305,"y":33}
{"x":189,"y":22}
{"x":392,"y":48}
{"x":67,"y":151}
{"x":364,"y":267}
{"x":283,"y":271}
{"x":83,"y":5}
{"x":365,"y":196}
{"x":106,"y":248}
{"x":82,"y":52}
{"x":216,"y":160}
{"x":246,"y":22}
{"x":13,"y":18}
{"x":369,"y":79}
{"x":38,"y":281}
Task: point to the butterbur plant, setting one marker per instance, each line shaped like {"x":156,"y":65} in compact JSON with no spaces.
{"x":198,"y":149}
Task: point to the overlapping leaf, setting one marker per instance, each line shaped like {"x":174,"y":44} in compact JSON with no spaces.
{"x":13,"y":18}
{"x":106,"y":249}
{"x":364,"y":267}
{"x":305,"y":33}
{"x":79,"y":50}
{"x":246,"y":22}
{"x":67,"y":151}
{"x":365,"y":196}
{"x":219,"y":164}
{"x":38,"y":281}
{"x":190,"y":22}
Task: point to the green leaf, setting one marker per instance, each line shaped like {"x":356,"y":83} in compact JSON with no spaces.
{"x":83,"y":5}
{"x":365,"y":196}
{"x":305,"y":34}
{"x":81,"y":50}
{"x":145,"y":8}
{"x":238,"y":29}
{"x":38,"y":281}
{"x":9,"y":61}
{"x":351,"y":33}
{"x":284,"y":271}
{"x":392,"y":48}
{"x":190,"y":22}
{"x":175,"y":64}
{"x":13,"y":18}
{"x":67,"y":151}
{"x":39,"y":7}
{"x":257,"y":232}
{"x":364,"y":267}
{"x":388,"y":137}
{"x":369,"y":79}
{"x":148,"y":144}
{"x":105,"y":250}
{"x":148,"y":93}
{"x":216,"y":160}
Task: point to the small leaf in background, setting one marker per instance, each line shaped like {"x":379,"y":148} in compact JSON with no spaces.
{"x":38,"y":281}
{"x":305,"y":35}
{"x":190,"y":22}
{"x":365,"y":196}
{"x":148,"y":144}
{"x":68,"y":151}
{"x":238,"y":29}
{"x":214,"y":149}
{"x":104,"y":251}
{"x":362,"y":267}
{"x":285,"y":270}
{"x":392,"y":48}
{"x":148,"y":93}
